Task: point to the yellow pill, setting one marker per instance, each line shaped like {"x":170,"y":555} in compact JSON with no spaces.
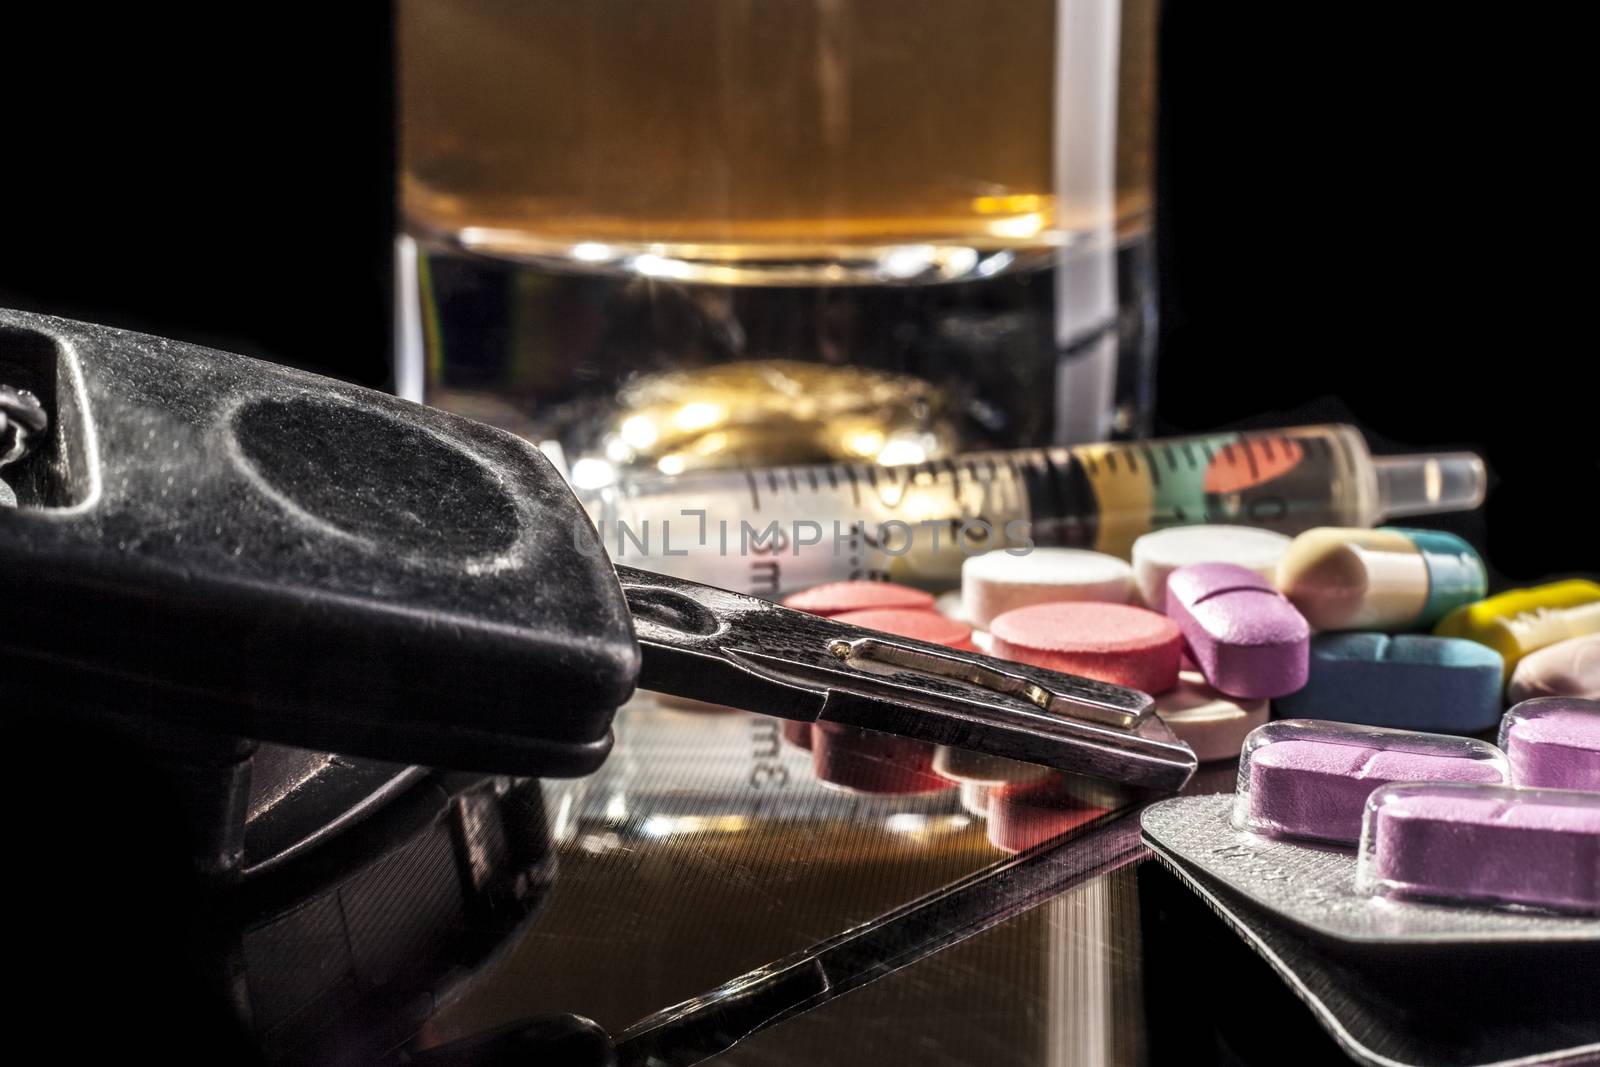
{"x":1524,"y":620}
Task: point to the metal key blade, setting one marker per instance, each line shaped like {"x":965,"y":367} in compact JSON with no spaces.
{"x":728,"y":648}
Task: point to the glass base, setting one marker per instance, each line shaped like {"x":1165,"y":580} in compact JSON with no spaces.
{"x":578,"y":353}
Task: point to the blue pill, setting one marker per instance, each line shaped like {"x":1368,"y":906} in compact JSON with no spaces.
{"x":1412,"y":681}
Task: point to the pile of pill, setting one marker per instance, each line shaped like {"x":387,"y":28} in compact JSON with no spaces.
{"x":1370,"y":647}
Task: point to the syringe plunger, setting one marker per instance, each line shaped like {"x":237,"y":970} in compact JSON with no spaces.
{"x":1429,"y":484}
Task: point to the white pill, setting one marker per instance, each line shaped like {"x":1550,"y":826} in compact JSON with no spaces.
{"x":1160,"y":552}
{"x":964,"y":765}
{"x":1569,"y":668}
{"x":975,"y":798}
{"x":996,"y":582}
{"x":1214,"y":725}
{"x":949,"y":605}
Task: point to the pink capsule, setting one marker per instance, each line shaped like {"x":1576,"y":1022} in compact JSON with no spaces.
{"x":1244,"y":635}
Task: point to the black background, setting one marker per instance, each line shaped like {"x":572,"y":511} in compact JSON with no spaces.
{"x":1363,"y":216}
{"x":1368,"y":212}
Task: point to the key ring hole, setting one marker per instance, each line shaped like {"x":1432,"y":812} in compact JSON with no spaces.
{"x":674,"y":611}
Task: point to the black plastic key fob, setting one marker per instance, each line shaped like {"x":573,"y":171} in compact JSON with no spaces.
{"x":208,"y":537}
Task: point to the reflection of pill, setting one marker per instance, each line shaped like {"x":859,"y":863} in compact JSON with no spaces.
{"x":1412,"y":681}
{"x":927,"y":626}
{"x":996,"y":582}
{"x":1114,"y":643}
{"x":835,"y":598}
{"x":975,"y":798}
{"x":1303,"y":778}
{"x":1523,"y":620}
{"x":1484,"y":845}
{"x":1384,"y":579}
{"x":1244,"y":635}
{"x":1212,"y":724}
{"x":1569,"y":668}
{"x":1021,"y":817}
{"x":796,"y":733}
{"x":869,"y":762}
{"x":673,"y":702}
{"x":1553,"y":742}
{"x":964,"y":765}
{"x":1158,"y":553}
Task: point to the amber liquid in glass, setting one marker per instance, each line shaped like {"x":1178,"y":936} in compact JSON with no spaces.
{"x":711,"y":145}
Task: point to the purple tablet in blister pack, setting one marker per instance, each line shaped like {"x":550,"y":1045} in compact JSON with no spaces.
{"x":1485,"y":845}
{"x":1553,"y":743}
{"x":1245,"y":636}
{"x":1305,"y":778}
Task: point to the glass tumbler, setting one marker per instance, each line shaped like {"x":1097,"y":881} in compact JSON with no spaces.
{"x":676,"y":234}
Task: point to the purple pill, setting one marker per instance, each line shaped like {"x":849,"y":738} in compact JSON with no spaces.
{"x":1310,"y":779}
{"x":1244,"y":635}
{"x":1483,"y":845}
{"x":1553,"y":743}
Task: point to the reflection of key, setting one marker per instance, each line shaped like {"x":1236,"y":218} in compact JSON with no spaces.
{"x":231,"y":544}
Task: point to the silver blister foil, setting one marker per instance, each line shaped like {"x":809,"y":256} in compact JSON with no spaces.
{"x":1314,"y":886}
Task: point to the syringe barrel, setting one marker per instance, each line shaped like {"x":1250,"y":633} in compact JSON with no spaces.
{"x":775,"y":530}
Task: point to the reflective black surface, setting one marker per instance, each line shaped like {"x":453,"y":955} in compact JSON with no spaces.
{"x":716,"y":900}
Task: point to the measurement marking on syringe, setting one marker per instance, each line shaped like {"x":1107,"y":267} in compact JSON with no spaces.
{"x":755,"y":493}
{"x":1346,"y":455}
{"x":1188,"y":454}
{"x":855,"y":485}
{"x":1155,"y":468}
{"x":772,"y":482}
{"x":811,"y":476}
{"x":1250,"y":458}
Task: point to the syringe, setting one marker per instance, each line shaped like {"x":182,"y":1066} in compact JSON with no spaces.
{"x":771,"y":531}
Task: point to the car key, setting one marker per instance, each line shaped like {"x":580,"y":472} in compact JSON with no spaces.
{"x":212,"y":540}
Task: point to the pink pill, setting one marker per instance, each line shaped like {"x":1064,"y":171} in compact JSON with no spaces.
{"x":1553,"y":743}
{"x":1244,"y":635}
{"x":1484,"y":845}
{"x":1114,"y":643}
{"x":1311,"y":779}
{"x":836,"y":598}
{"x":927,"y":626}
